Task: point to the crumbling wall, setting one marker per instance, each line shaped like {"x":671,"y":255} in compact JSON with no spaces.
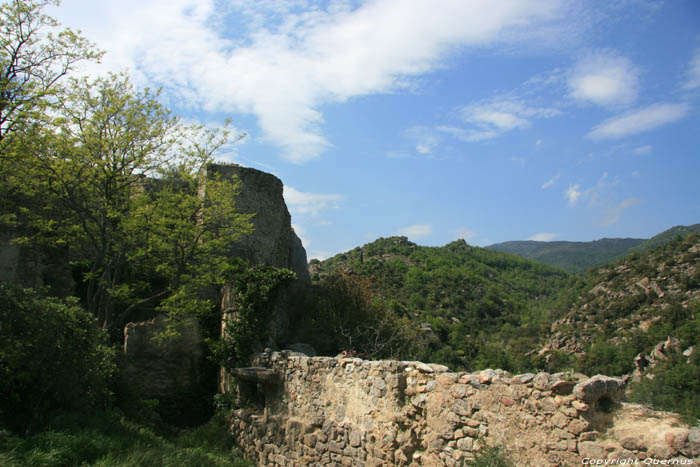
{"x":155,"y":367}
{"x":347,"y":411}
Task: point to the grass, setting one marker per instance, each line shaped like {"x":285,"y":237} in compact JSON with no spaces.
{"x":108,"y":439}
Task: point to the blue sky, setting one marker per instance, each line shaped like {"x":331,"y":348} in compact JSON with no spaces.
{"x":484,"y":120}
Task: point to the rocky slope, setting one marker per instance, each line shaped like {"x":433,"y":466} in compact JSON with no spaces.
{"x":628,"y":298}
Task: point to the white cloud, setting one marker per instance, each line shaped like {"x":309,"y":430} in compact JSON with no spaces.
{"x":642,"y":150}
{"x":300,"y":202}
{"x":612,"y":215}
{"x":294,"y":57}
{"x":551,"y":181}
{"x":693,"y":72}
{"x":543,"y":237}
{"x":639,"y":120}
{"x":464,"y":233}
{"x":416,"y":231}
{"x":493,"y":117}
{"x":424,"y":138}
{"x":573,"y":194}
{"x":604,"y":78}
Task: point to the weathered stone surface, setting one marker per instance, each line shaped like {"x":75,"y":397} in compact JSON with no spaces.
{"x":357,"y":420}
{"x":273,"y":241}
{"x":661,"y":451}
{"x":302,"y":348}
{"x":633,"y":443}
{"x":563,"y":388}
{"x":591,"y":450}
{"x":599,"y":387}
{"x":155,"y":369}
{"x":256,"y":375}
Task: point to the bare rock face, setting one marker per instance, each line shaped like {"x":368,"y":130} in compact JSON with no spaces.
{"x":272,"y":243}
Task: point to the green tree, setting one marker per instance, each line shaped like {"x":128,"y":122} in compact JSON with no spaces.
{"x":121,"y":182}
{"x":346,"y":315}
{"x":33,"y":59}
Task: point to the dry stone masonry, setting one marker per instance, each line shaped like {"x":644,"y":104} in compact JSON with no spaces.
{"x":348,"y":411}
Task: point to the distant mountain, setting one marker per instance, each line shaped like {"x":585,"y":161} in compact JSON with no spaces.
{"x":666,"y":236}
{"x":575,"y":257}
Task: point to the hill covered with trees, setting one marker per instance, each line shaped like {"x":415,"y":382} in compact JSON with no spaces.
{"x":458,"y":295}
{"x":476,"y":308}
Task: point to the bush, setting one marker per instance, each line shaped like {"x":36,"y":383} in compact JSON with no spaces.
{"x":491,"y":456}
{"x":346,"y":315}
{"x":675,"y":387}
{"x":607,"y":359}
{"x":52,"y":356}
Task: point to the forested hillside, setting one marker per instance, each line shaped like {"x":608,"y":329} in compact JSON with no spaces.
{"x":458,"y":295}
{"x":667,"y":236}
{"x":476,"y":308}
{"x":640,"y":314}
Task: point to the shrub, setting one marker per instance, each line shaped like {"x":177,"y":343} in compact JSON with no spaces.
{"x":675,"y":386}
{"x":491,"y":456}
{"x":346,"y":315}
{"x":52,"y":356}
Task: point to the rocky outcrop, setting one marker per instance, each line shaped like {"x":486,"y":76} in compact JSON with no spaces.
{"x":272,"y":243}
{"x":348,"y":411}
{"x":161,"y":368}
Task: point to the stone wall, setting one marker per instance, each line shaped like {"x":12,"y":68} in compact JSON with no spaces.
{"x":346,"y":411}
{"x":155,"y":368}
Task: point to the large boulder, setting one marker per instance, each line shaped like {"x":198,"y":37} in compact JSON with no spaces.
{"x":599,"y":388}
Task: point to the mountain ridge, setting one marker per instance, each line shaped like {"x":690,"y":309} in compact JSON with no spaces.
{"x":577,"y":257}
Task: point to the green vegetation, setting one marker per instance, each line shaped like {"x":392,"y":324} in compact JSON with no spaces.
{"x":346,"y":315}
{"x":99,"y":174}
{"x":476,"y":308}
{"x":491,"y":456}
{"x":572,"y":257}
{"x":51,"y":356}
{"x":613,"y":300}
{"x":578,"y":257}
{"x":109,"y":439}
{"x":667,"y":236}
{"x":255,"y":292}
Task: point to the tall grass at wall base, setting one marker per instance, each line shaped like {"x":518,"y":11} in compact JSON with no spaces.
{"x":108,"y":439}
